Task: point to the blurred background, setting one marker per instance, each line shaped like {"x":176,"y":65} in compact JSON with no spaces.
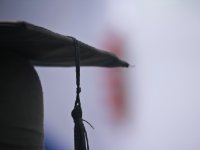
{"x":154,"y":105}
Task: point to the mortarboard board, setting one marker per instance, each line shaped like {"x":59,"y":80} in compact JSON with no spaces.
{"x":20,"y":44}
{"x":46,"y":48}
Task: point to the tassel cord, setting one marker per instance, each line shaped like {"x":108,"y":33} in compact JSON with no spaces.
{"x":80,"y":134}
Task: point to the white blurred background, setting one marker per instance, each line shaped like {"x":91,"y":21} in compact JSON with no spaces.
{"x":154,"y":105}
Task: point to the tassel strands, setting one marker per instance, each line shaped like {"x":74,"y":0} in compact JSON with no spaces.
{"x":80,"y":134}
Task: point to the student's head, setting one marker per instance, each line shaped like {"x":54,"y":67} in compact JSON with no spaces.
{"x":21,"y":103}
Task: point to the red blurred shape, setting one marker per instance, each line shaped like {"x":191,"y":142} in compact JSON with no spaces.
{"x":115,"y":79}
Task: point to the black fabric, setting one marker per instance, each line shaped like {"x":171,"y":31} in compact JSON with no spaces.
{"x":46,"y":48}
{"x":21,"y":105}
{"x":23,"y":45}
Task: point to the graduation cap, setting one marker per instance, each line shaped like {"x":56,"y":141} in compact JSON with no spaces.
{"x":23,"y":43}
{"x":46,"y":48}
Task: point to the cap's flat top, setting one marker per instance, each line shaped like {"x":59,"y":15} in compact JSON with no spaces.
{"x":46,"y":48}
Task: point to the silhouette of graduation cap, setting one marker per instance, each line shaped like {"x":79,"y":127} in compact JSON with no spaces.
{"x":46,"y":48}
{"x":23,"y":45}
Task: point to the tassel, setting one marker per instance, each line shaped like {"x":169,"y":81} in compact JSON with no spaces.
{"x":80,"y":134}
